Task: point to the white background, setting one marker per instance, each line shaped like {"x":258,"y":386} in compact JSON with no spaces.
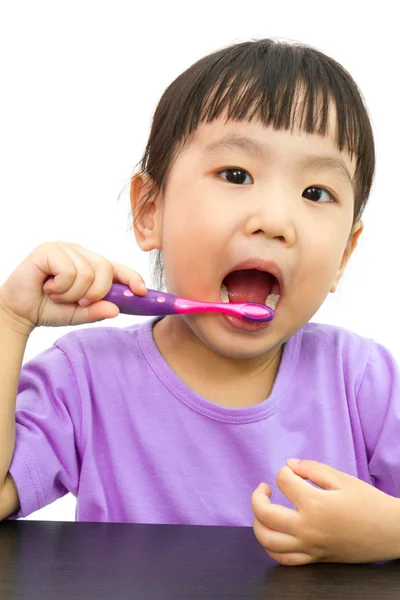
{"x":79,"y":83}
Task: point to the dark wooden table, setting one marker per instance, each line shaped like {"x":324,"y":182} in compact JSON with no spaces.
{"x":85,"y":561}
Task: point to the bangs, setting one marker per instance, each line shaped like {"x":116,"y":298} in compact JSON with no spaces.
{"x":281,"y":85}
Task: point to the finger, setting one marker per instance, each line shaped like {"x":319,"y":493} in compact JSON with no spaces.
{"x":265,"y":489}
{"x":319,"y":473}
{"x":53,"y":259}
{"x":275,"y":541}
{"x":121,"y":273}
{"x":292,"y":559}
{"x":74,"y":275}
{"x":296,"y":489}
{"x":106,"y":272}
{"x":274,"y":516}
{"x":126,"y":275}
{"x":103,"y":272}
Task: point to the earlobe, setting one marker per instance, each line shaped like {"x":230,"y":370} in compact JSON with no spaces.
{"x":146,"y":212}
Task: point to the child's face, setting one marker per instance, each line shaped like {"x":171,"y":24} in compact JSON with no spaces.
{"x":205,"y":225}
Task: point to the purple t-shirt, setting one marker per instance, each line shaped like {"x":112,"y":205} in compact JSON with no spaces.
{"x":100,"y":414}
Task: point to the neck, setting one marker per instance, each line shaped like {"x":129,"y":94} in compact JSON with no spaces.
{"x":226,"y":381}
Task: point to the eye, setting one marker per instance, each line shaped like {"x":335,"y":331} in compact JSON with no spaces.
{"x":315,"y":195}
{"x":236,"y":175}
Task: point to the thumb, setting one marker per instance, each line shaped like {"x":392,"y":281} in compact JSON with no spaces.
{"x":323,"y":475}
{"x":98,"y":311}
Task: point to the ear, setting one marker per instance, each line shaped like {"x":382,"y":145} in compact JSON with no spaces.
{"x":146,"y":213}
{"x":350,"y":246}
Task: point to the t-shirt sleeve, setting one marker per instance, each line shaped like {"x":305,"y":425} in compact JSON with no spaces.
{"x":46,"y":464}
{"x":378,"y":402}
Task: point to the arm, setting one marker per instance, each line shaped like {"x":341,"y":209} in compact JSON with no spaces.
{"x":13,"y":340}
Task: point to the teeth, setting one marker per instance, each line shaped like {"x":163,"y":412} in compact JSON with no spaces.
{"x":272,"y":301}
{"x":224,"y":293}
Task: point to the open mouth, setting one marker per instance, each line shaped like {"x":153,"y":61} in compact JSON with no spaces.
{"x":251,"y":285}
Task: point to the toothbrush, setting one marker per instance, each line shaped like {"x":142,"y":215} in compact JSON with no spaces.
{"x":160,"y":303}
{"x":156,"y":303}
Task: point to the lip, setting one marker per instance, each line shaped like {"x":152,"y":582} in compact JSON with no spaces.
{"x":261,"y":265}
{"x":243,"y":325}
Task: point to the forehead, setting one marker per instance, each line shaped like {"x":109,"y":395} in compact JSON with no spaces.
{"x":223,"y":135}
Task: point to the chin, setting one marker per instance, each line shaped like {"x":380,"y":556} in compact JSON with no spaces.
{"x":229,"y":343}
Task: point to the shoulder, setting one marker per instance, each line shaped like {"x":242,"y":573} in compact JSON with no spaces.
{"x":333,"y":335}
{"x":367,"y":365}
{"x":82,"y":357}
{"x":333,"y":343}
{"x":97,"y":353}
{"x":100,"y":340}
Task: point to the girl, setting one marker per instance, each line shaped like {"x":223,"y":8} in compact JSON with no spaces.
{"x":258,"y":167}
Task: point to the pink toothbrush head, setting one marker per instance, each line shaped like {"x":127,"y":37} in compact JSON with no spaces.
{"x":160,"y":303}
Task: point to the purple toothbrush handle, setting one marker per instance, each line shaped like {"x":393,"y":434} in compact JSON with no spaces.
{"x":152,"y":304}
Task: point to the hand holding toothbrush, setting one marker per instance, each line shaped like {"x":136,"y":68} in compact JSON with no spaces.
{"x":51,"y":285}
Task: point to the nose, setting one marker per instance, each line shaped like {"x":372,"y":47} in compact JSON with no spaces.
{"x":271,"y":216}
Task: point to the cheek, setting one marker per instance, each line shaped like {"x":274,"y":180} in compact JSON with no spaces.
{"x":319,"y":260}
{"x":192,"y":223}
{"x":192,"y":244}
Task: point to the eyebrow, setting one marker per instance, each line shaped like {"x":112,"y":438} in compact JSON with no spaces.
{"x":322,"y":162}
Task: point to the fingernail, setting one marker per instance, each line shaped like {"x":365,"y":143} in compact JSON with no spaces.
{"x":293,"y":461}
{"x":143,"y":287}
{"x":84,"y":302}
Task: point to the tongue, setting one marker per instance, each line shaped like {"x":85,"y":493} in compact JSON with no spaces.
{"x":248,"y":286}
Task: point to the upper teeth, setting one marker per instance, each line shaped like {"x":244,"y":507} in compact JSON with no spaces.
{"x":271,"y":301}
